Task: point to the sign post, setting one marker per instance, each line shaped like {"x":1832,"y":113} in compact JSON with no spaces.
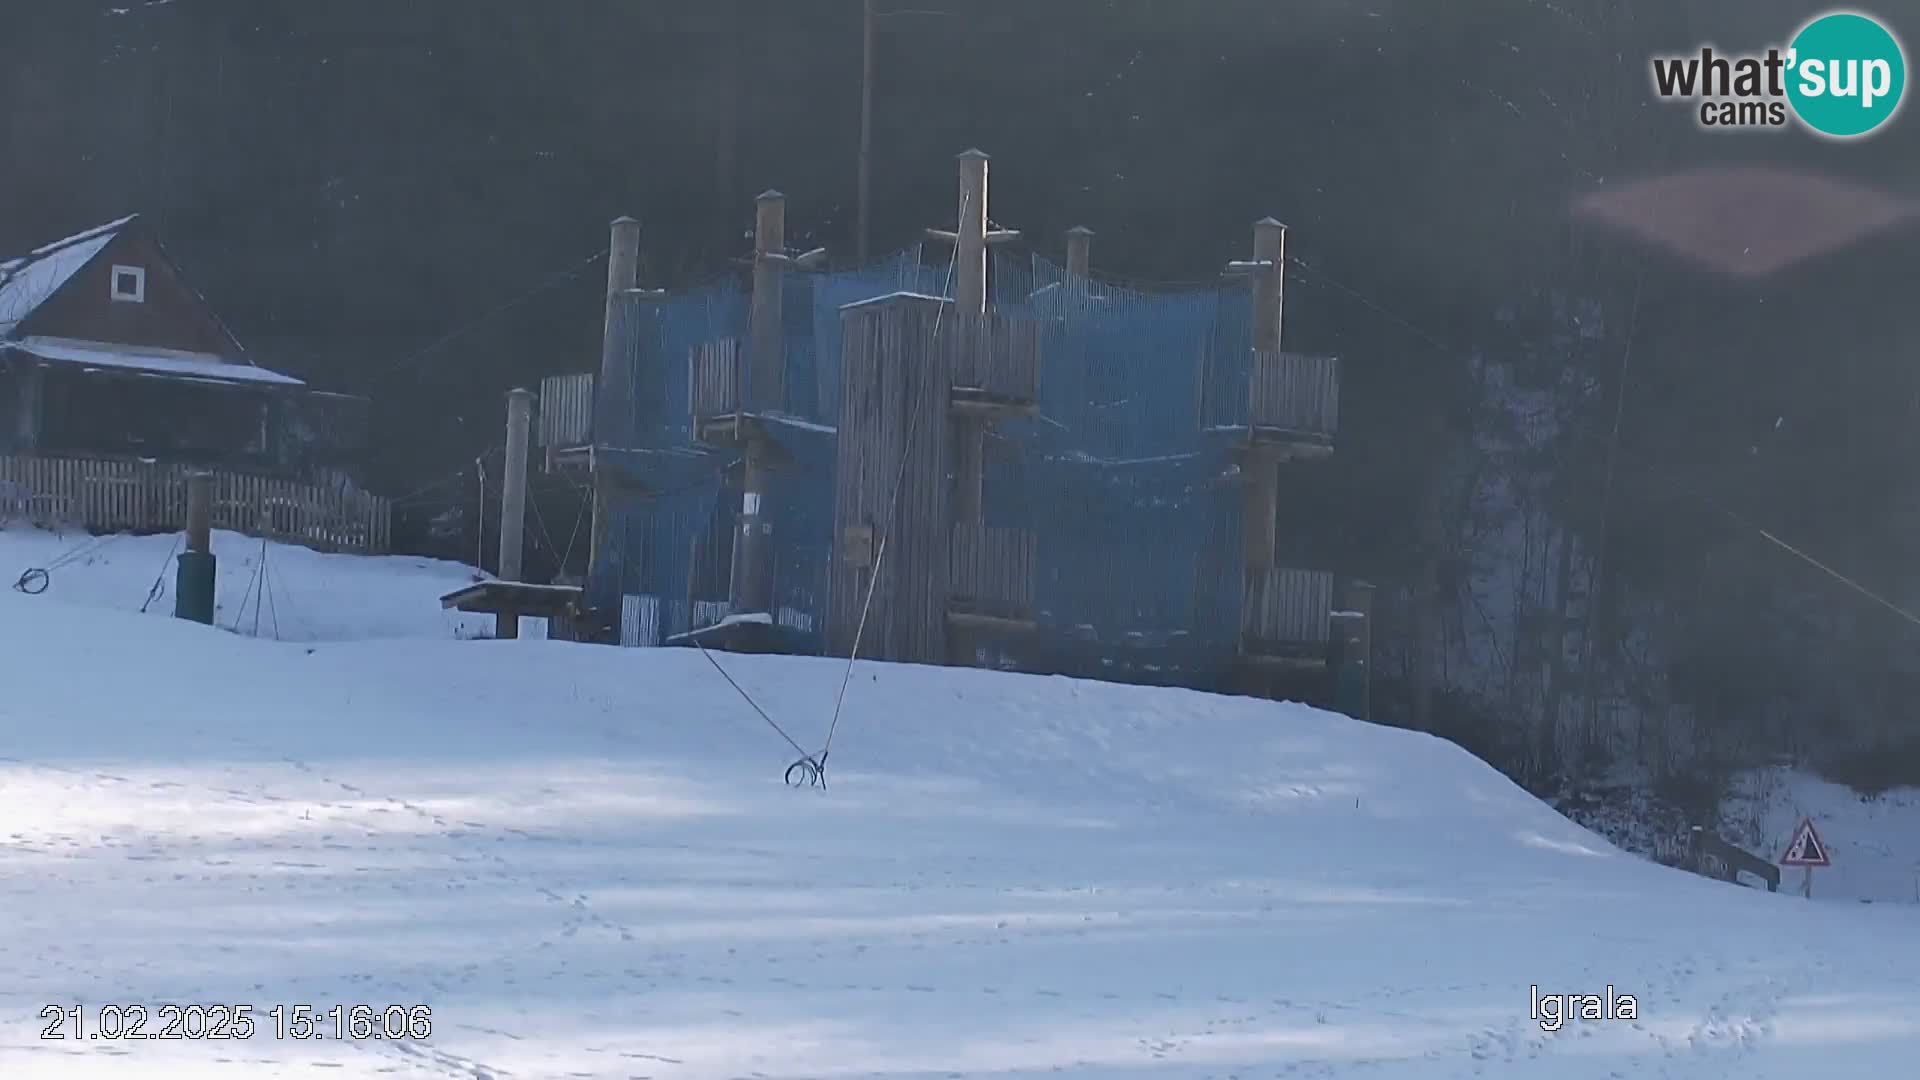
{"x":1807,"y":850}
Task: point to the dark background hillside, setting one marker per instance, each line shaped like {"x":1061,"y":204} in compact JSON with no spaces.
{"x":404,"y":200}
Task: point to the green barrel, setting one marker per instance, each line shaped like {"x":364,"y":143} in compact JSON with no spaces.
{"x":1350,"y":689}
{"x":193,"y":587}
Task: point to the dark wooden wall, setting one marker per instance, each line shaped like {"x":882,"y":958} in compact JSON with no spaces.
{"x":171,"y":317}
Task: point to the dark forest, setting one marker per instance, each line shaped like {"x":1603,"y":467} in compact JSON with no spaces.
{"x":1703,"y":563}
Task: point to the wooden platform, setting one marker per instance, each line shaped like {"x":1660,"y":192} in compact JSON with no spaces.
{"x":570,"y":459}
{"x":1276,"y":444}
{"x":515,"y":598}
{"x":728,"y":429}
{"x":970,"y":401}
{"x":1298,"y":445}
{"x":735,"y":431}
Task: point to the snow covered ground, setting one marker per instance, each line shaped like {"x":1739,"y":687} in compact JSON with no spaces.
{"x":311,"y":596}
{"x":583,"y":862}
{"x":1874,"y":842}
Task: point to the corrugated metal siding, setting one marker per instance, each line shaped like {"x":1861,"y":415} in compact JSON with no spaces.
{"x":716,"y":378}
{"x":1289,"y":606}
{"x":1295,"y":393}
{"x":566,"y":410}
{"x":639,"y":621}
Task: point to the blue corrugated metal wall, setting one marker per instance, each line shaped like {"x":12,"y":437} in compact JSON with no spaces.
{"x":1133,"y":500}
{"x":1136,"y":508}
{"x":673,"y":542}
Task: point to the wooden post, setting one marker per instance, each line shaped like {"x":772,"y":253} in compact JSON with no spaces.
{"x":513,"y":502}
{"x":766,"y":386}
{"x":970,"y":247}
{"x":193,"y":583}
{"x":766,"y":392}
{"x":864,"y":216}
{"x":200,"y":512}
{"x":1262,"y":491}
{"x":970,"y":306}
{"x":1261,"y":505}
{"x":752,"y":577}
{"x":1356,"y":655}
{"x":1268,"y":278}
{"x":1079,"y":245}
{"x":969,"y":470}
{"x":32,"y":393}
{"x":623,"y":273}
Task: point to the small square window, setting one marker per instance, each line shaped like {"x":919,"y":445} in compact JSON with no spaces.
{"x":130,"y":284}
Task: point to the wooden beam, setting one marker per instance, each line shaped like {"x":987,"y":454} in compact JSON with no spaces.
{"x":983,"y":408}
{"x":1269,"y":251}
{"x":766,"y":388}
{"x":1079,"y":249}
{"x":1260,"y":509}
{"x":998,"y":624}
{"x":623,"y":269}
{"x":970,"y":261}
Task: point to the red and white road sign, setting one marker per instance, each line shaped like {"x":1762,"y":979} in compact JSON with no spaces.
{"x":1806,"y":848}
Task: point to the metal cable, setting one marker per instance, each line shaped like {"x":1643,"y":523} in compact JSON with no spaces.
{"x":880,"y":553}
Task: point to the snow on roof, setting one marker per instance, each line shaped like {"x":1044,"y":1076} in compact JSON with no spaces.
{"x":156,"y":361}
{"x":108,"y":229}
{"x":27,"y":282}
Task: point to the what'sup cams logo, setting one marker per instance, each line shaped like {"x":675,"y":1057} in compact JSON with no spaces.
{"x":1842,"y":76}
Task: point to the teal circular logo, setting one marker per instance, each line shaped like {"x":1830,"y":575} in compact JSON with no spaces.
{"x":1846,"y":75}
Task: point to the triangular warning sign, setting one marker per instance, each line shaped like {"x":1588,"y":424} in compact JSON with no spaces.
{"x":1806,"y":848}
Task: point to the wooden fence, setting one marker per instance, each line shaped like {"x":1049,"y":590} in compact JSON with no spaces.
{"x":1288,"y":607}
{"x":137,"y":496}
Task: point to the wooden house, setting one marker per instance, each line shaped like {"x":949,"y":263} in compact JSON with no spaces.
{"x":116,"y":376}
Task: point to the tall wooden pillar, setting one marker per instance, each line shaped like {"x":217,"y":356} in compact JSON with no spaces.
{"x":1268,"y":279}
{"x":1353,"y":687}
{"x":752,"y":566}
{"x":623,"y":273}
{"x":766,"y":382}
{"x":766,"y":392}
{"x":193,"y":586}
{"x":513,"y":501}
{"x":970,"y":245}
{"x":1261,"y":499}
{"x":1079,"y":251}
{"x":970,"y":307}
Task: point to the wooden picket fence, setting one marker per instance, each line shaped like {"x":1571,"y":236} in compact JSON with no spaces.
{"x":138,"y":496}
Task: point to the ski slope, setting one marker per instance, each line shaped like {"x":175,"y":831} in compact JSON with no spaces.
{"x":310,"y":595}
{"x":583,"y":862}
